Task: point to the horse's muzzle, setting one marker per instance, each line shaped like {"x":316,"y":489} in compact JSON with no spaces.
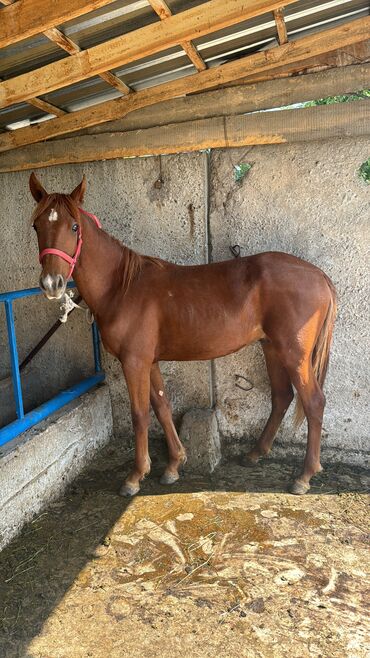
{"x":53,"y":285}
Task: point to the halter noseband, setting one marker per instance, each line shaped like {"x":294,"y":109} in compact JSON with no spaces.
{"x":72,"y":260}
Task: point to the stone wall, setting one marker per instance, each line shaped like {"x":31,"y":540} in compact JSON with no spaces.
{"x":306,"y":199}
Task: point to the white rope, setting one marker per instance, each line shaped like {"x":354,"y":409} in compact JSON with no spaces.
{"x":68,"y":305}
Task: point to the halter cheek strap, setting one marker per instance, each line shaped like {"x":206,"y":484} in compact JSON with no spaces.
{"x":72,"y":260}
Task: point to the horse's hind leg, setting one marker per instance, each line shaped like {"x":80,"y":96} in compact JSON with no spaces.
{"x":281,"y":397}
{"x":313,"y":402}
{"x":162,"y":409}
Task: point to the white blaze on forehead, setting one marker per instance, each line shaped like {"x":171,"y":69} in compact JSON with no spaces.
{"x":53,"y":215}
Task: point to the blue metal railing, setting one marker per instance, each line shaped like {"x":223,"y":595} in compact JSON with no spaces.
{"x":26,"y":420}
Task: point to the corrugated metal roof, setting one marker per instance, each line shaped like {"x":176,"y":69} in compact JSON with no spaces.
{"x":123,"y":16}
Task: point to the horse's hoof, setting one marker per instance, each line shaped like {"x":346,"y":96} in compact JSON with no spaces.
{"x":299,"y":488}
{"x":250,"y":460}
{"x":129,"y":490}
{"x":169,"y":478}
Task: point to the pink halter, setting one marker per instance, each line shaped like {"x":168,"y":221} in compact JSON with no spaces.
{"x":72,"y":260}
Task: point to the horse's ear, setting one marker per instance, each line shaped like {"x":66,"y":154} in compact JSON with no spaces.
{"x":79,"y":192}
{"x":37,"y":191}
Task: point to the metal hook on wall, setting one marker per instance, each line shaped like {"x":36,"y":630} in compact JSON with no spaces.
{"x":235,"y":250}
{"x":248,"y":382}
{"x":159,"y":182}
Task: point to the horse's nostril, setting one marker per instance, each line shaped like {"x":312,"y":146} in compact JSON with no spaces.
{"x":59,"y":282}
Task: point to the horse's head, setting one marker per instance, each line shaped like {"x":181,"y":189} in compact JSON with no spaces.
{"x":56,"y":220}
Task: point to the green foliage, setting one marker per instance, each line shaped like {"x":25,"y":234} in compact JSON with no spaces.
{"x":241,"y":170}
{"x":364,"y":171}
{"x":343,"y":98}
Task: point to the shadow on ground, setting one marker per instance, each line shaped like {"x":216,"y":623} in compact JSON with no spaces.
{"x":40,"y":567}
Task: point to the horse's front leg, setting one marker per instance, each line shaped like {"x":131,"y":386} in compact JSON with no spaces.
{"x":162,"y":409}
{"x":137,"y":375}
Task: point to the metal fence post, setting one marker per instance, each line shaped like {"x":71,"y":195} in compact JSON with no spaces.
{"x":96,"y":345}
{"x":17,"y":386}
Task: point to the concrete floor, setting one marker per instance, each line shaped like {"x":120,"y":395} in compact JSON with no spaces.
{"x":230,"y":565}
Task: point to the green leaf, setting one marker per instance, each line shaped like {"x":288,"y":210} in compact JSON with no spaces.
{"x":364,"y":171}
{"x":241,"y":170}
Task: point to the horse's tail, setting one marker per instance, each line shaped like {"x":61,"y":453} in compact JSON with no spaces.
{"x":321,"y":351}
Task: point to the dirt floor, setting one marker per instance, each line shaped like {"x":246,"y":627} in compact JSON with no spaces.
{"x":223,"y":566}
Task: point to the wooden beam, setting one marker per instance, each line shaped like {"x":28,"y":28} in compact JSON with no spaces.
{"x":57,"y":36}
{"x":24,"y":19}
{"x":193,"y":23}
{"x":46,"y":107}
{"x":356,"y":53}
{"x":281,"y":127}
{"x":38,"y":102}
{"x":114,"y":81}
{"x":280,"y":26}
{"x":60,"y":39}
{"x":162,"y":9}
{"x":267,"y":60}
{"x":240,"y":99}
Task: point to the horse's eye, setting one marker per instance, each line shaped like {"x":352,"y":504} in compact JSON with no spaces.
{"x":75,"y":227}
{"x":34,"y":227}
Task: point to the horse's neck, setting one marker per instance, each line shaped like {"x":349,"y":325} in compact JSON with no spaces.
{"x":98,"y":265}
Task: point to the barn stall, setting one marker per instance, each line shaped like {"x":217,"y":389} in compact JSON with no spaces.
{"x":164,"y":108}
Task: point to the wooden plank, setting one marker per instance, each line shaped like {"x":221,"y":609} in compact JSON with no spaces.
{"x":24,"y":18}
{"x":46,"y":107}
{"x":194,"y":55}
{"x":243,"y":98}
{"x":38,"y":102}
{"x":356,"y":53}
{"x":60,"y":39}
{"x":114,"y":81}
{"x":267,"y":60}
{"x":162,"y":9}
{"x":280,"y":26}
{"x":72,"y":48}
{"x":193,"y":23}
{"x":280,"y":127}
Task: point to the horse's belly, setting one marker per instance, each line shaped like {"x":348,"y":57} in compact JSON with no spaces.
{"x":206,"y":343}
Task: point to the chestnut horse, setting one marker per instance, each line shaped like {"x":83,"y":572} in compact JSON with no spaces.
{"x":149,"y":310}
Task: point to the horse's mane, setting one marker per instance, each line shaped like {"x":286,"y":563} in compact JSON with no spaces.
{"x":131,"y":264}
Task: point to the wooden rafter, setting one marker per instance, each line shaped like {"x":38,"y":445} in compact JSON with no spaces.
{"x":280,"y":26}
{"x":287,"y":126}
{"x":203,"y":19}
{"x":57,"y":36}
{"x":294,"y":51}
{"x":38,"y":102}
{"x":355,"y":53}
{"x":46,"y":107}
{"x":24,"y":19}
{"x":163,"y":11}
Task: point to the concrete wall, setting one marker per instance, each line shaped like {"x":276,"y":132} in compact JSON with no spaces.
{"x":36,"y":467}
{"x":305,"y":199}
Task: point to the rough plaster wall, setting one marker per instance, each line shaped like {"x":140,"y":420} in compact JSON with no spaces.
{"x":307,"y":200}
{"x":169,"y":222}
